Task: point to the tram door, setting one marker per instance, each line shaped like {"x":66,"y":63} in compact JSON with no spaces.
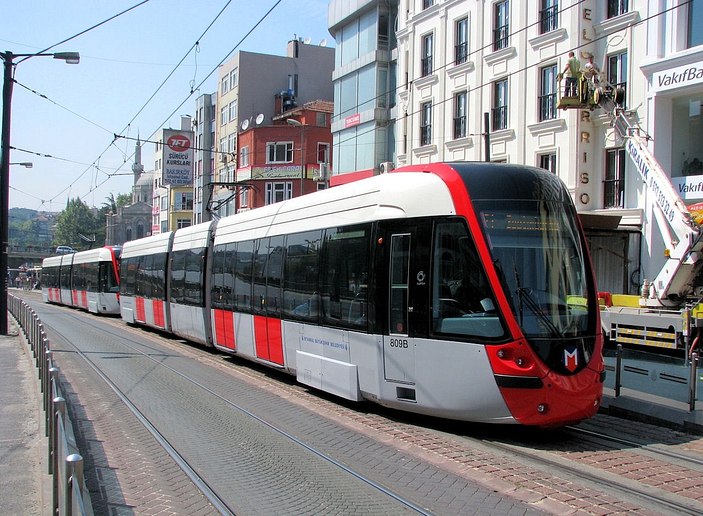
{"x":407,"y":265}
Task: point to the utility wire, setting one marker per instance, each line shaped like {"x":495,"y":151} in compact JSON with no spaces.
{"x":256,"y":25}
{"x":88,"y":29}
{"x":143,"y":107}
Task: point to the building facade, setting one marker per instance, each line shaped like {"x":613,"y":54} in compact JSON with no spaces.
{"x":204,"y":155}
{"x":253,"y":88}
{"x":364,"y":78}
{"x":480,"y":81}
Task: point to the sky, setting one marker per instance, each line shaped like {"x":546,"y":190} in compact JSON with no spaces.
{"x":65,"y":117}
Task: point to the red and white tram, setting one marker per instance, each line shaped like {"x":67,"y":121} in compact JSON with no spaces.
{"x":459,"y":290}
{"x":87,"y":280}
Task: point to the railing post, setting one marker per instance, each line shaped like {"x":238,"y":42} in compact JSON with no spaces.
{"x":48,"y":401}
{"x":58,"y":407}
{"x":692,"y":381}
{"x":74,"y":475}
{"x":618,"y":368}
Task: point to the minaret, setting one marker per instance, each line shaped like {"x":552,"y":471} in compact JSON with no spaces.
{"x":137,"y":170}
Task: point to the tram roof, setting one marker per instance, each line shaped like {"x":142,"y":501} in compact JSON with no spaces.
{"x":395,"y":195}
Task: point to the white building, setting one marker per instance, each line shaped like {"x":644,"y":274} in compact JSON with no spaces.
{"x":460,"y":63}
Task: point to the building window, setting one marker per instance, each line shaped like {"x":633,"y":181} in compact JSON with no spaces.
{"x":617,"y":7}
{"x":223,"y":115}
{"x":695,"y":23}
{"x":426,"y":61}
{"x":244,"y":198}
{"x":548,"y":16}
{"x":323,"y":152}
{"x":232,"y":144}
{"x":461,"y":46}
{"x":460,"y":115}
{"x":617,"y":74}
{"x":548,"y":96}
{"x":164,"y":203}
{"x":233,"y":75}
{"x":225,"y":85}
{"x":233,"y":110}
{"x":426,"y":4}
{"x":184,"y":201}
{"x":548,"y":162}
{"x":244,"y":156}
{"x":279,"y":152}
{"x":614,"y":183}
{"x":183,"y":223}
{"x":426,"y":123}
{"x":277,"y":192}
{"x":500,"y":105}
{"x":164,"y":226}
{"x":500,"y":25}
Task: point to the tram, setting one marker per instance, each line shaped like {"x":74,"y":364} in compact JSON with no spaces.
{"x":458,"y":290}
{"x":88,"y":279}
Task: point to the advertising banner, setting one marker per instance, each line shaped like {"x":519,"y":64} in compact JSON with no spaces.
{"x":177,"y":158}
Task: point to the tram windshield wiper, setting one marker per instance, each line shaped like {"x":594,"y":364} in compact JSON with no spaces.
{"x":525,"y":294}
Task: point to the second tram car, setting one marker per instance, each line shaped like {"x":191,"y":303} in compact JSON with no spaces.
{"x":460,"y":290}
{"x":87,"y":280}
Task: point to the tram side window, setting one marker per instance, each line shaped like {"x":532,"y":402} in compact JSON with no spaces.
{"x":157,"y":272}
{"x":194,"y":277}
{"x":128,"y":272}
{"x":243,"y":276}
{"x":108,"y":280}
{"x":301,"y":299}
{"x":259,"y":275}
{"x":274,"y":273}
{"x":91,"y":276}
{"x":462,"y":301}
{"x":222,"y":290}
{"x":65,"y":277}
{"x":344,"y":276}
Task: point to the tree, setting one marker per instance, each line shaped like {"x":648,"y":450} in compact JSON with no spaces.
{"x":78,"y":219}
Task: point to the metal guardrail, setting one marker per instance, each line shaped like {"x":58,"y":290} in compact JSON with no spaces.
{"x":65,"y":464}
{"x":675,"y":379}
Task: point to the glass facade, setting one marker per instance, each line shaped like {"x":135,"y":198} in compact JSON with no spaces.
{"x":365,"y":92}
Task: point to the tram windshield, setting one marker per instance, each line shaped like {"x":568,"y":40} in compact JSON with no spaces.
{"x":538,"y":255}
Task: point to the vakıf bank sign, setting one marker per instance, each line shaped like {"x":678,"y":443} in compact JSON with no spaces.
{"x":177,"y":158}
{"x":677,"y":77}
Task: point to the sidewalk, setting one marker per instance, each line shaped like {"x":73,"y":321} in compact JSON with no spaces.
{"x":25,"y":485}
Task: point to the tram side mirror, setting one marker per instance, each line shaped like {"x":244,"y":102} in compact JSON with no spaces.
{"x":487,"y":304}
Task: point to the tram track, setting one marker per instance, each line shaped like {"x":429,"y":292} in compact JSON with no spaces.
{"x":451,"y":447}
{"x":647,"y":496}
{"x":208,"y":491}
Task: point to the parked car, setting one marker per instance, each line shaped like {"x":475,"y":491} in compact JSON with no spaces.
{"x":64,"y":249}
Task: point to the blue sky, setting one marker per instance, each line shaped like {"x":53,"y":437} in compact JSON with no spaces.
{"x":74,"y":110}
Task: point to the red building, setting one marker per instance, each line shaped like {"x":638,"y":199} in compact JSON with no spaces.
{"x":292,"y":157}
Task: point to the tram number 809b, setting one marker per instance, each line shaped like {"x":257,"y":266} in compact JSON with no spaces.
{"x":399,"y":343}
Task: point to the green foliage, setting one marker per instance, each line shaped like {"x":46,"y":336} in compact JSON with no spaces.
{"x":76,"y":220}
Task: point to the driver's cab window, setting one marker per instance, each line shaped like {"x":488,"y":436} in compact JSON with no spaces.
{"x":462,"y":300}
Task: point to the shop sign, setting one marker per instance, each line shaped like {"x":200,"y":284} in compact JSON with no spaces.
{"x":688,"y":187}
{"x":678,"y":77}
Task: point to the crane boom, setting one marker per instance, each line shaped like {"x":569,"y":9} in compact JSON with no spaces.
{"x":682,"y":236}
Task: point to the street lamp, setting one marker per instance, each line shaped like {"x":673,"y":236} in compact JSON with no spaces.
{"x":7,"y":85}
{"x":297,"y":123}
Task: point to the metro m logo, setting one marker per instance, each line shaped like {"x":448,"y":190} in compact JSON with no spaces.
{"x":571,"y":359}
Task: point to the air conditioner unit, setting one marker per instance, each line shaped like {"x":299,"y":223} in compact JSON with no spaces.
{"x":223,"y":158}
{"x":386,"y":167}
{"x":321,"y":173}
